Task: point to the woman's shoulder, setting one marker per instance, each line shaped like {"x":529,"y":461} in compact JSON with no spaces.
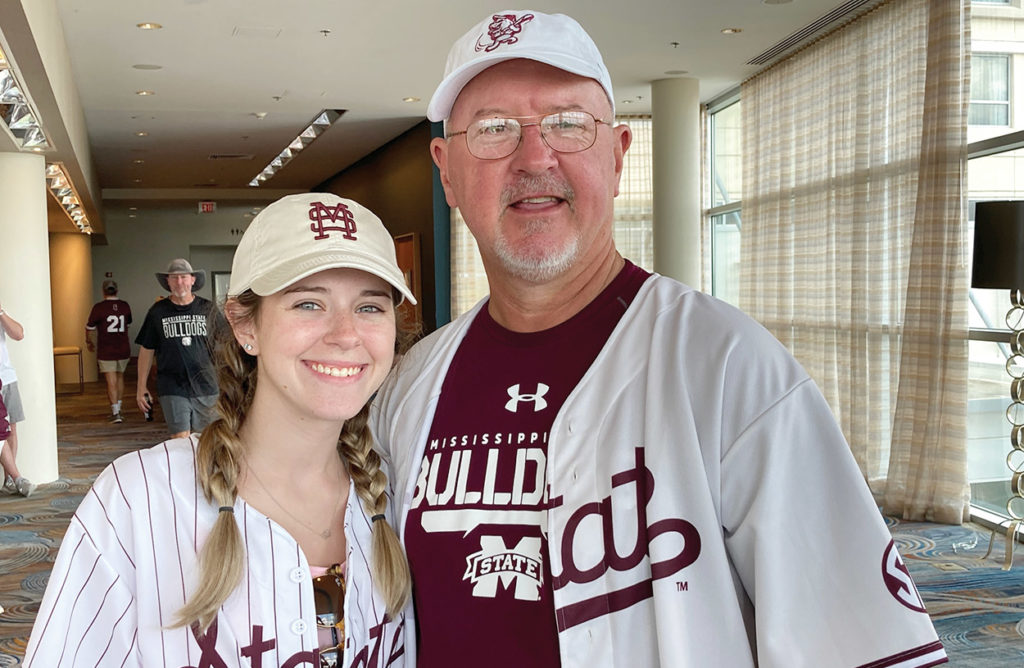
{"x":145,"y":465}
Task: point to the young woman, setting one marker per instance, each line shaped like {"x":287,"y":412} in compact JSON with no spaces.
{"x":264,"y":541}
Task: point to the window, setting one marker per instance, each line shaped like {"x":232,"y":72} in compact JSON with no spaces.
{"x":990,"y":90}
{"x":725,"y":169}
{"x":995,"y":171}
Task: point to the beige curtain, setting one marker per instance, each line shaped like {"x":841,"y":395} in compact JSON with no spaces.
{"x":854,"y":239}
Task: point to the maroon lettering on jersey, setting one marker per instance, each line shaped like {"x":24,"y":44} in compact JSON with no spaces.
{"x":476,"y":532}
{"x":898,"y":581}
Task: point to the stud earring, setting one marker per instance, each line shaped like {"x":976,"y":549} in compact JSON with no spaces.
{"x":248,"y":347}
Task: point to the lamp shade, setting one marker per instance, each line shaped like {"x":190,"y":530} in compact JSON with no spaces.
{"x":998,"y":245}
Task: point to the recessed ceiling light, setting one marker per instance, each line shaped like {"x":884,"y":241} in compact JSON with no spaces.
{"x":139,"y":161}
{"x":148,"y":26}
{"x":141,"y":133}
{"x":133,"y":208}
{"x":673,"y":73}
{"x":143,"y":66}
{"x":627,"y":102}
{"x":145,"y":92}
{"x":410,"y":99}
{"x":136,"y":180}
{"x":731,"y":31}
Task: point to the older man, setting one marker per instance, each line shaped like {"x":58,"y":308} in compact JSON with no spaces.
{"x":178,"y":332}
{"x":598,"y":466}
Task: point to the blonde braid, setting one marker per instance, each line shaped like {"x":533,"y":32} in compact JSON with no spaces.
{"x":222,"y":557}
{"x":388,"y":565}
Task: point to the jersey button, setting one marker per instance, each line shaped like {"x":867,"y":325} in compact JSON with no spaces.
{"x":297,"y":575}
{"x":299,"y":627}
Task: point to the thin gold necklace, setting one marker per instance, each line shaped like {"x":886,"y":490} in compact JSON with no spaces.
{"x":326,"y":533}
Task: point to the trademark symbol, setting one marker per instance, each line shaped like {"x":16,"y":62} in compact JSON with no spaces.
{"x":682,"y":586}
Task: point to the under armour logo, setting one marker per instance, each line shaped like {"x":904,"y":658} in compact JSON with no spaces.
{"x":539,"y":403}
{"x":502,"y":29}
{"x":320,"y":214}
{"x":898,"y":581}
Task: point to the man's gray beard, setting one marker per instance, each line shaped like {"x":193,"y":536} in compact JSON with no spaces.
{"x":546,"y":264}
{"x":534,"y":266}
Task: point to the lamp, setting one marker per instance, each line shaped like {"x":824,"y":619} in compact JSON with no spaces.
{"x":999,"y":264}
{"x":61,"y":189}
{"x":316,"y":127}
{"x":16,"y":113}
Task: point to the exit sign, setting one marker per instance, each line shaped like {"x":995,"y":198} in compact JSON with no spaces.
{"x":207,"y":207}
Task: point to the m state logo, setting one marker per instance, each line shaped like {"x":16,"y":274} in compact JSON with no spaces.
{"x":339,"y":214}
{"x":520,"y":565}
{"x":898,"y":581}
{"x":502,"y":30}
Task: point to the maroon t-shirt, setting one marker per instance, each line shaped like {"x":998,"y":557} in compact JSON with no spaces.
{"x":110,"y":318}
{"x":476,"y":532}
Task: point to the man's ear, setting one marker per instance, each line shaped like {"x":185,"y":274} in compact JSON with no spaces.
{"x":623,"y":138}
{"x":439,"y":153}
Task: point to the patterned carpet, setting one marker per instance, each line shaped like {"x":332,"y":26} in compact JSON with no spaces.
{"x":977,"y":607}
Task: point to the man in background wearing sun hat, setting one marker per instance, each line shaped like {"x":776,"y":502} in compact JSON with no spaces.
{"x":178,"y":332}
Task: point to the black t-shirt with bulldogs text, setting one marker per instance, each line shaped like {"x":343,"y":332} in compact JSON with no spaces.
{"x":476,"y":532}
{"x":182,"y":337}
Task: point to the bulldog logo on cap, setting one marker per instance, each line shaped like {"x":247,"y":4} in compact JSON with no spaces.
{"x":320,"y":213}
{"x":502,"y":30}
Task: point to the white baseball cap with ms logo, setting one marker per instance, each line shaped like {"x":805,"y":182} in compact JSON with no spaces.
{"x":299,"y":235}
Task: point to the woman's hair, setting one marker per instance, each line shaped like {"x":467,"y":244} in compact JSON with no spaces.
{"x":220,"y":452}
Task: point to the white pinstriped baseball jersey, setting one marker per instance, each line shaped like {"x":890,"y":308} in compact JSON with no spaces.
{"x":129,"y":560}
{"x":705,"y":509}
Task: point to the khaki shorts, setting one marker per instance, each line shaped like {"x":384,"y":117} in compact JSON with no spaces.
{"x":106,"y":366}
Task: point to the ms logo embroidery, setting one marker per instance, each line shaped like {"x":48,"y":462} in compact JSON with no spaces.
{"x":503,"y":29}
{"x":539,"y":402}
{"x":321,"y":214}
{"x":897,"y":579}
{"x":520,"y":565}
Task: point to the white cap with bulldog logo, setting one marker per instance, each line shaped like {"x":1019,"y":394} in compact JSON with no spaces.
{"x":553,"y":39}
{"x":299,"y":235}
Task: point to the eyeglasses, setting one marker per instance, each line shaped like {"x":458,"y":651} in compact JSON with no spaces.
{"x":563,"y":131}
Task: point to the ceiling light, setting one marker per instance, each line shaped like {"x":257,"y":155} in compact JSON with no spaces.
{"x":731,"y":31}
{"x":59,"y":184}
{"x":143,"y":66}
{"x":145,"y":92}
{"x":141,"y":133}
{"x":410,"y":99}
{"x":316,"y":127}
{"x":148,"y":26}
{"x":16,"y":112}
{"x":138,"y":161}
